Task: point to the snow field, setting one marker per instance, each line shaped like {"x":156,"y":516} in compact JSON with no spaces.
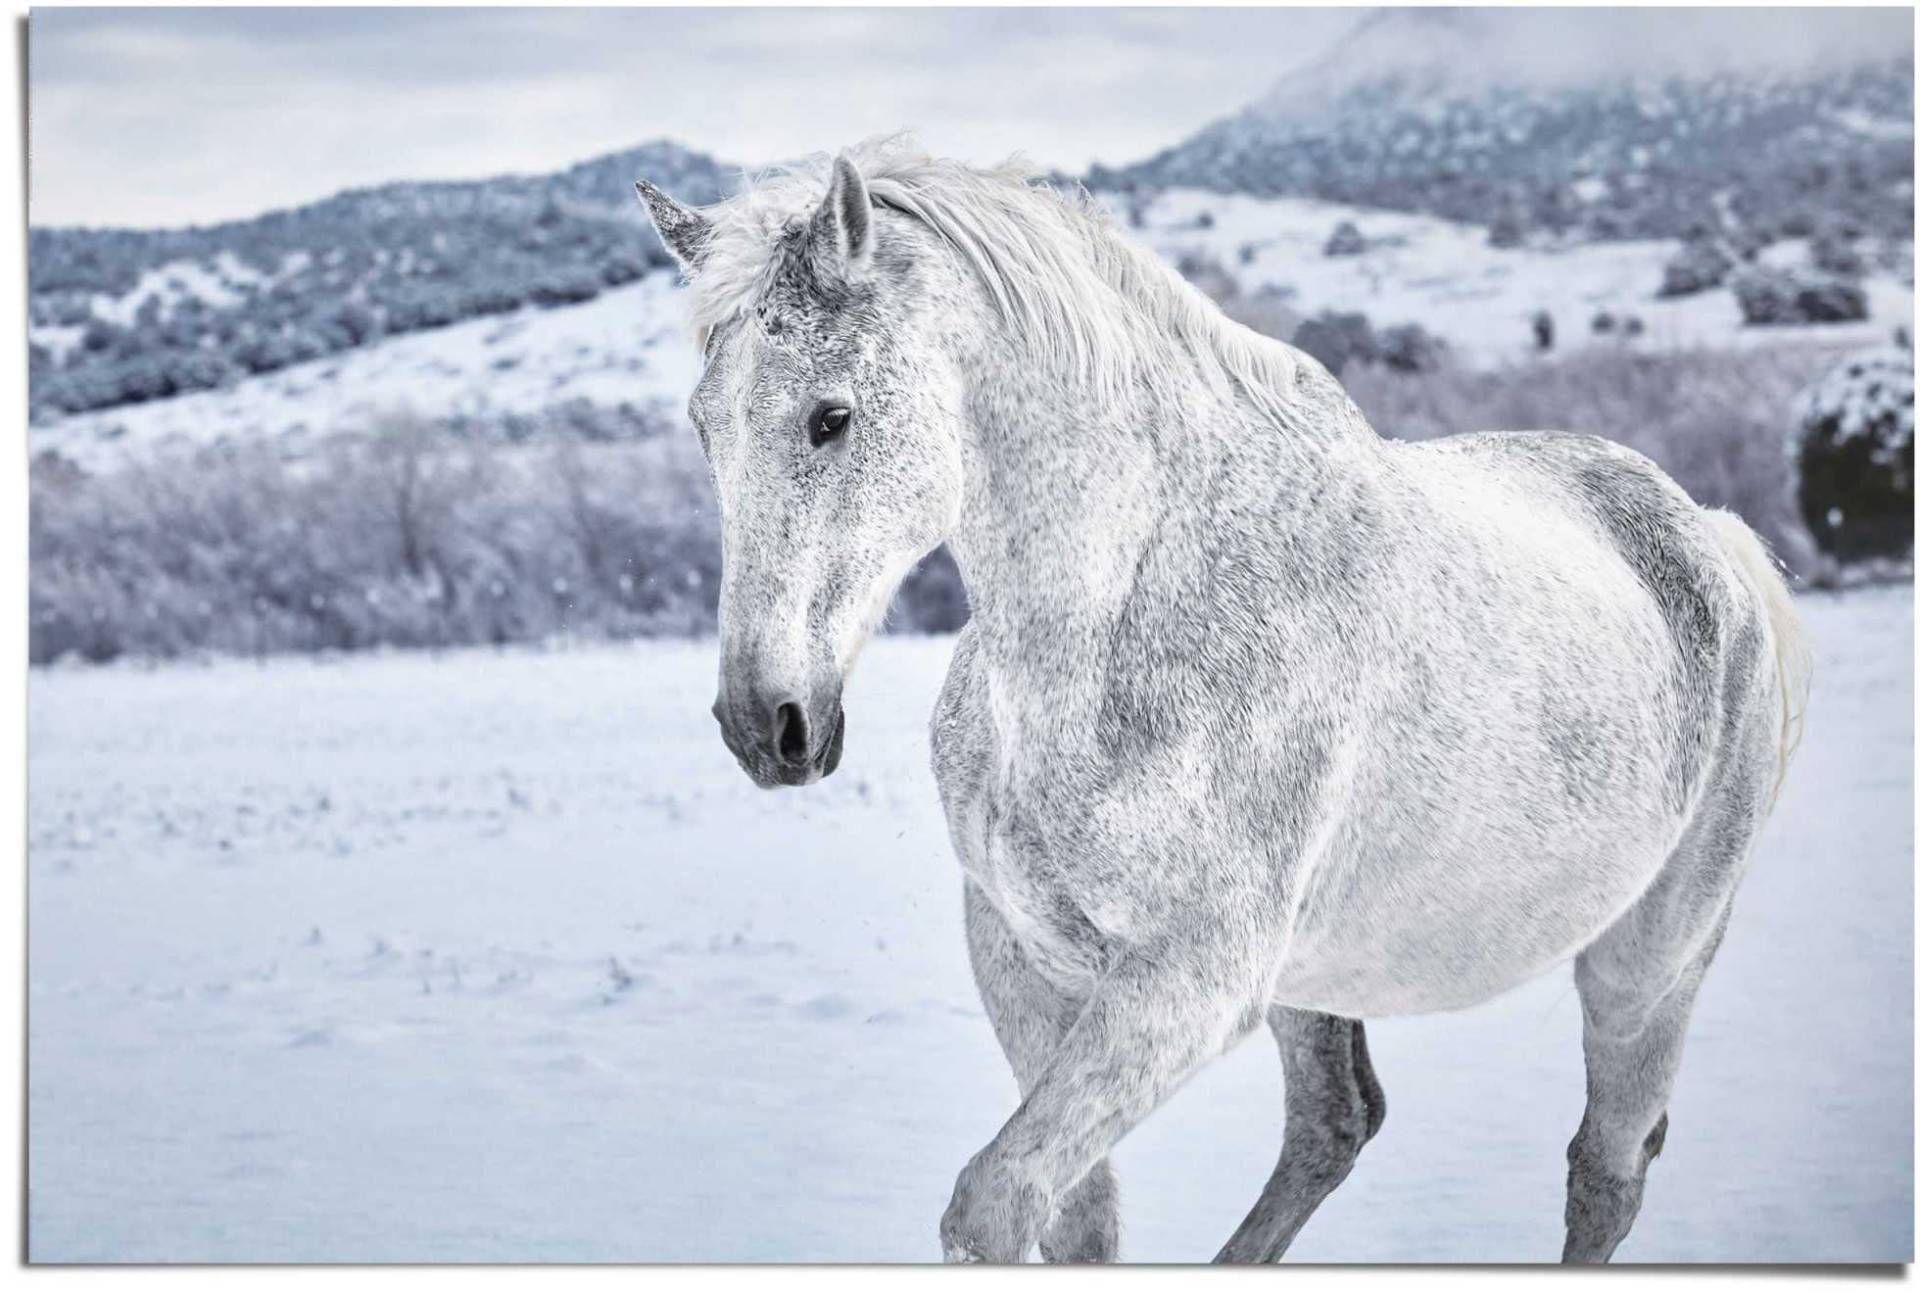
{"x":497,"y":956}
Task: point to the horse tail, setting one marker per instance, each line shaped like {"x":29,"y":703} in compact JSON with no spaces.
{"x":1792,"y":655}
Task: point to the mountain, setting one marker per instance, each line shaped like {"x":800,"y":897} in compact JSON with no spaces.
{"x":1508,"y":119}
{"x":120,"y":316}
{"x":1505,"y":118}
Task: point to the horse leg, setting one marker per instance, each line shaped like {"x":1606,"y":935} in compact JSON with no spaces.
{"x":1634,"y":1028}
{"x":1156,"y":1014}
{"x":1637,"y":985}
{"x":1030,"y":1016}
{"x":1334,"y":1106}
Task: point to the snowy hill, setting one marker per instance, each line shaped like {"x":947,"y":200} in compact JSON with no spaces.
{"x":1436,"y":132}
{"x":626,"y":353}
{"x":1488,"y":116}
{"x":1479,"y":299}
{"x":120,"y":317}
{"x":1508,"y":122}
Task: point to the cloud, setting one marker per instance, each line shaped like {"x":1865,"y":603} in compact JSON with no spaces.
{"x":169,"y":116}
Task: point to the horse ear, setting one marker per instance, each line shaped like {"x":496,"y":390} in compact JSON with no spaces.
{"x":681,"y":228}
{"x":840,"y":236}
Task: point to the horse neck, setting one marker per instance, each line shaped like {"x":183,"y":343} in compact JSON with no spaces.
{"x":1083,"y":510}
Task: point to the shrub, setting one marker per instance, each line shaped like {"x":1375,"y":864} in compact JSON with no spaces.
{"x":1542,"y":324}
{"x":1834,"y":252}
{"x":413,"y":535}
{"x":1339,"y":339}
{"x":1776,"y":296}
{"x":1346,"y":240}
{"x":1409,"y":348}
{"x":1700,"y":264}
{"x":1336,"y":338}
{"x":1852,"y":452}
{"x":566,"y":287}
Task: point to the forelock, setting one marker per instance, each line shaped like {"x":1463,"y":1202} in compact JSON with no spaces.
{"x":753,"y":235}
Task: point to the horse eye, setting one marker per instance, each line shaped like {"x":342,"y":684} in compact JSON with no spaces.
{"x":829,"y":423}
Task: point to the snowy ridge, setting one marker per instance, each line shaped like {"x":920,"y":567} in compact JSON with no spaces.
{"x":122,"y":317}
{"x":628,"y":346}
{"x":625,"y":348}
{"x":1562,"y":122}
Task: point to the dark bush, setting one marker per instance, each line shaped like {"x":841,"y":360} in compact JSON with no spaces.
{"x":1778,"y":296}
{"x":1834,"y":252}
{"x":491,"y":298}
{"x":1342,"y":339}
{"x":200,"y":370}
{"x":1409,"y":348}
{"x":1853,"y":455}
{"x":568,"y":287}
{"x":1337,"y":338}
{"x":414,"y":308}
{"x":1346,"y":240}
{"x":1542,"y":324}
{"x":1700,"y":264}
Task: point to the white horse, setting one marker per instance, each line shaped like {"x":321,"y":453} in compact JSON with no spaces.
{"x":1259,"y":716}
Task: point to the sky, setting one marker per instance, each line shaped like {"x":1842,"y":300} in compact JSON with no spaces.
{"x":154,"y":117}
{"x":150,"y":117}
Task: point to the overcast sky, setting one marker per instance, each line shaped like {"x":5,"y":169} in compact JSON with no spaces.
{"x":165,"y":117}
{"x":150,"y":117}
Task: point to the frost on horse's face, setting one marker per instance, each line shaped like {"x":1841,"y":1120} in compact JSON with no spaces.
{"x":831,"y":420}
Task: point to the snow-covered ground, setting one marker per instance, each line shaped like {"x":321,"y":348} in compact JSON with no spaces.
{"x":630,"y":345}
{"x":497,"y":956}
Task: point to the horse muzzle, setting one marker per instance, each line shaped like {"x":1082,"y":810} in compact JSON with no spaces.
{"x":783,"y":742}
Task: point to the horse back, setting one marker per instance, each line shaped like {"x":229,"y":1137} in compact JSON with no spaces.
{"x":1649,"y":527}
{"x":1539,"y":721}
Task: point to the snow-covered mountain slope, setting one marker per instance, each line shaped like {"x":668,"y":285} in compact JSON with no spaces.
{"x":1515,"y":121}
{"x":1444,"y":276}
{"x":1488,"y":115}
{"x":628,"y":346}
{"x":124,"y":316}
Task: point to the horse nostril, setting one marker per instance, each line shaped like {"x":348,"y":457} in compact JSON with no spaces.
{"x":790,"y":733}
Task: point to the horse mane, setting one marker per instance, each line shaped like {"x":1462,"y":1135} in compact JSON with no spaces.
{"x":1093,"y":306}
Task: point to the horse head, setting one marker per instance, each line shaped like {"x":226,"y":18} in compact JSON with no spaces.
{"x":830,"y":416}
